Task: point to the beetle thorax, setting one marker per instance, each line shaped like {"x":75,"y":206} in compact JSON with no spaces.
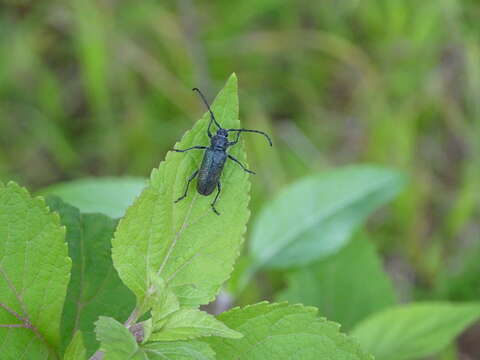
{"x":220,"y":140}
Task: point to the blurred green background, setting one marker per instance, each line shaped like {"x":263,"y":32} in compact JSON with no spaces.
{"x":103,"y":88}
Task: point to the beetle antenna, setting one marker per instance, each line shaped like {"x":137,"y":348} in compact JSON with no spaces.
{"x":212,"y":117}
{"x":253,"y":131}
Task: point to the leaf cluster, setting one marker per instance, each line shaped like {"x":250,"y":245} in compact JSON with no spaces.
{"x":131,"y":289}
{"x":76,"y":284}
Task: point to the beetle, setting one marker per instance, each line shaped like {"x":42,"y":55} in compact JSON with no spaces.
{"x":215,"y":157}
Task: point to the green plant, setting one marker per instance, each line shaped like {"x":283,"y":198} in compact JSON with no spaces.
{"x":78,"y":285}
{"x":102,"y":88}
{"x":164,"y":261}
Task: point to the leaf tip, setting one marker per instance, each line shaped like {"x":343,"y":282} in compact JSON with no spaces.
{"x":232,"y":81}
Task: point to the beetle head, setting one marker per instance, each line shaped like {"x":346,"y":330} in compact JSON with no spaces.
{"x":222,"y":132}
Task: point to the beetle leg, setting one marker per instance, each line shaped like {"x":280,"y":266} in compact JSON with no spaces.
{"x":188,"y":184}
{"x":239,"y":163}
{"x":191,"y":148}
{"x":219,"y":188}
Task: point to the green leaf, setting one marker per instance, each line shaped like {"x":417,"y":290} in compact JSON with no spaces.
{"x":316,"y":216}
{"x":95,"y":288}
{"x":346,"y":287}
{"x":189,"y":324}
{"x":414,"y":331}
{"x":178,"y":350}
{"x":116,"y":341}
{"x":146,"y":328}
{"x":185,"y":243}
{"x":109,"y":196}
{"x":76,"y":350}
{"x":162,"y":300}
{"x":34,"y":274}
{"x":281,"y":331}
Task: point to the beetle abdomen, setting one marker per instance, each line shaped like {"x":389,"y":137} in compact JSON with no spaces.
{"x":210,"y":170}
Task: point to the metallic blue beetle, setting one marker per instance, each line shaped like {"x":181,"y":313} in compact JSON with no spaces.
{"x":215,"y":157}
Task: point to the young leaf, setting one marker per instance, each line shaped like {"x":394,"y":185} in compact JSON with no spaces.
{"x":34,"y":274}
{"x":116,"y":341}
{"x":185,"y":243}
{"x":316,"y":216}
{"x":190,"y":324}
{"x":146,"y":328}
{"x":178,"y":350}
{"x":414,"y":331}
{"x":346,"y":287}
{"x":76,"y":350}
{"x":95,"y":288}
{"x":110,"y":196}
{"x":281,"y":331}
{"x":164,"y":302}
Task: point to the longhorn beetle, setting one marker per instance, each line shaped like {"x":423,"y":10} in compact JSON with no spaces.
{"x":214,"y":157}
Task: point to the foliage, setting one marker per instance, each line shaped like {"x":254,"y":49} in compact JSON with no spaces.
{"x":109,"y":196}
{"x":116,"y":341}
{"x":316,"y":216}
{"x":190,"y":324}
{"x":34,"y":274}
{"x":173,"y":257}
{"x":346,"y":287}
{"x":280,"y":331}
{"x":119,"y":344}
{"x":76,"y":349}
{"x":102,"y":88}
{"x":174,"y":240}
{"x":416,"y":330}
{"x":95,"y":288}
